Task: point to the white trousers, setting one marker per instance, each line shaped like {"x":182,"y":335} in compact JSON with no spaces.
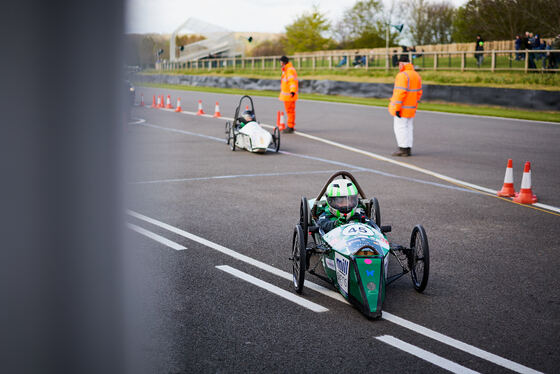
{"x":403,"y":131}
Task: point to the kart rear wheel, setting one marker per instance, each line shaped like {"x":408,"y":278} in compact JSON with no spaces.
{"x":232,"y":138}
{"x":419,"y":258}
{"x":299,"y":259}
{"x":374,"y":212}
{"x":304,"y":218}
{"x":228,"y":127}
{"x":276,"y":139}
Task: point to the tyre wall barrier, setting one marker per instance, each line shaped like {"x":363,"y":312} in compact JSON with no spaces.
{"x":506,"y":97}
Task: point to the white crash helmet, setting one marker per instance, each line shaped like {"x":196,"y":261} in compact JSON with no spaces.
{"x":342,"y":198}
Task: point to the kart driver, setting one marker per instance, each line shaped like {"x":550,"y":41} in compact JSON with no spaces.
{"x":246,"y":117}
{"x":342,"y":202}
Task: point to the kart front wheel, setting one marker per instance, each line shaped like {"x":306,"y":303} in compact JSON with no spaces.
{"x":232,"y":138}
{"x":419,"y":258}
{"x":299,"y":259}
{"x":276,"y":139}
{"x":374,"y":212}
{"x":304,"y":218}
{"x":228,"y":135}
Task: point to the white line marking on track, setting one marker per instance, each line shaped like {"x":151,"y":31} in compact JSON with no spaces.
{"x":156,"y":237}
{"x":425,"y":355}
{"x":274,"y":289}
{"x":240,"y":176}
{"x":318,"y":159}
{"x":459,"y":345}
{"x":237,"y":255}
{"x":335,"y":295}
{"x":137,"y":121}
{"x":377,"y":157}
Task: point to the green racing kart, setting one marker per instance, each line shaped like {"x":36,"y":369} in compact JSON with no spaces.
{"x":354,"y":257}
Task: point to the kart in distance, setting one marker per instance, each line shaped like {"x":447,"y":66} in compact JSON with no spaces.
{"x":250,"y":135}
{"x":354,"y":257}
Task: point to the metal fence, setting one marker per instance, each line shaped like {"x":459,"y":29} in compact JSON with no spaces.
{"x":526,"y":61}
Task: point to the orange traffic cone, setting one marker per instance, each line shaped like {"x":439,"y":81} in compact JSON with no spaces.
{"x":507,"y":189}
{"x":525,"y":195}
{"x":200,"y":110}
{"x":154,"y":105}
{"x":169,"y":106}
{"x":142,"y":100}
{"x":247,"y":107}
{"x":178,"y":105}
{"x":282,"y":122}
{"x":161,"y":102}
{"x":217,"y":113}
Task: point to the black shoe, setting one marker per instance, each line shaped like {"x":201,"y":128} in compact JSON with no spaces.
{"x":402,"y":152}
{"x":288,"y":130}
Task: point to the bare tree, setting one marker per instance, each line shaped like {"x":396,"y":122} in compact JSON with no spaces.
{"x":430,"y":22}
{"x":364,"y":25}
{"x":503,"y":19}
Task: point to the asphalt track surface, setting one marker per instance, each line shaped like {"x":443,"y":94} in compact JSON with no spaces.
{"x":209,"y":225}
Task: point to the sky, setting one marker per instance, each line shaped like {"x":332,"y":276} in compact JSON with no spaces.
{"x":164,"y":16}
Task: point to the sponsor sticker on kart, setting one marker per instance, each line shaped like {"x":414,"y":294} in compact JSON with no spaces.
{"x":342,"y":268}
{"x":330,"y":263}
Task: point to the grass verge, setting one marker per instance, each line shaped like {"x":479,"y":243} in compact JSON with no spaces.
{"x":517,"y":80}
{"x":551,"y":116}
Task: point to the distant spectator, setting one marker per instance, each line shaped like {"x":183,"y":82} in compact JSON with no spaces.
{"x":404,"y":51}
{"x":342,"y":62}
{"x":554,"y":58}
{"x":525,"y":41}
{"x":518,"y":45}
{"x":541,"y":47}
{"x":530,"y":46}
{"x":413,"y":50}
{"x":479,"y":47}
{"x":395,"y":59}
{"x":536,"y":42}
{"x":359,"y":60}
{"x":546,"y":55}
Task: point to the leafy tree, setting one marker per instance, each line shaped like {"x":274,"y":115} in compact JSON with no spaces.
{"x":503,"y":19}
{"x":305,"y":34}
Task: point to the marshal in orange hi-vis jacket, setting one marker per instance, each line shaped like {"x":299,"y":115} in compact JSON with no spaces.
{"x":406,"y":94}
{"x":289,"y":91}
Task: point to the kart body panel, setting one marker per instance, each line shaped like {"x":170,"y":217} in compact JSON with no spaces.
{"x":357,"y":265}
{"x":253,"y":138}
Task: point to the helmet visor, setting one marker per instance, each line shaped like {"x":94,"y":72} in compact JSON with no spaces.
{"x":344,"y":204}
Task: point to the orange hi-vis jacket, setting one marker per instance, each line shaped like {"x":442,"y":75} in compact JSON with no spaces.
{"x":288,"y":83}
{"x":406,"y":93}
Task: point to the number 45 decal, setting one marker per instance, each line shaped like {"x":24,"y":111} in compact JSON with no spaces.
{"x":358,"y":230}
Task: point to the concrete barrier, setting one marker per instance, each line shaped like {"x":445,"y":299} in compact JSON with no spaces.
{"x":506,"y":97}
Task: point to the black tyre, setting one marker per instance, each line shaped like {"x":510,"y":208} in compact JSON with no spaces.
{"x":419,"y":258}
{"x":228,"y":135}
{"x":374,"y":212}
{"x":276,"y":138}
{"x":304,"y":218}
{"x":232,"y":138}
{"x":298,"y":259}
